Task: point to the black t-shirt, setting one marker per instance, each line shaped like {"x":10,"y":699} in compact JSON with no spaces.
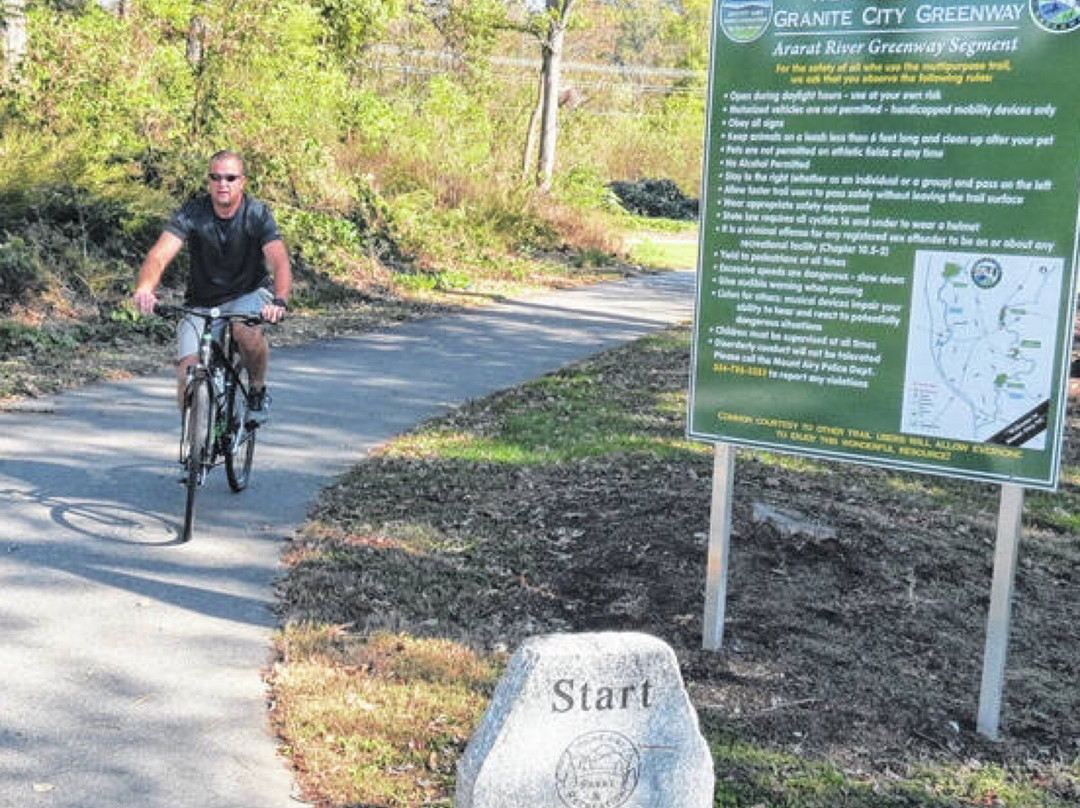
{"x":226,"y":254}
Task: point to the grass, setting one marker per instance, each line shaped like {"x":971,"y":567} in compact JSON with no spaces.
{"x":766,"y":778}
{"x":568,"y":417}
{"x":382,"y":719}
{"x":847,"y":680}
{"x":1060,"y":510}
{"x":665,"y":250}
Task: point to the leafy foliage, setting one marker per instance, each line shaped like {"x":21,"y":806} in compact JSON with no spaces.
{"x":653,"y":197}
{"x":20,"y":274}
{"x":352,"y":25}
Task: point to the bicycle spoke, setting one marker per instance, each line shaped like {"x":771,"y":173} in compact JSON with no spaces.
{"x":197,"y":436}
{"x":241,"y":449}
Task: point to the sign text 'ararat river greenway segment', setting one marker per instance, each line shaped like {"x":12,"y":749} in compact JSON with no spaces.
{"x":889,"y":233}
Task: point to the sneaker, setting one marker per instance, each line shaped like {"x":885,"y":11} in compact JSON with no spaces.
{"x":258,"y":407}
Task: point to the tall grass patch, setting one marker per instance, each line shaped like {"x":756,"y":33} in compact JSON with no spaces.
{"x":380,"y":722}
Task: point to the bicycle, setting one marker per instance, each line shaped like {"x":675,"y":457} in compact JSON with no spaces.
{"x":215,"y":428}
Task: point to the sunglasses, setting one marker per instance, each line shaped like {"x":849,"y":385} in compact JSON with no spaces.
{"x":224,"y":177}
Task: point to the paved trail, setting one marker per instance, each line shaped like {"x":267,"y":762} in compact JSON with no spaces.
{"x":131,"y":665}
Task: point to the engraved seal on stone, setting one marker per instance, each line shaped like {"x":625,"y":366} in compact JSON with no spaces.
{"x":598,"y":770}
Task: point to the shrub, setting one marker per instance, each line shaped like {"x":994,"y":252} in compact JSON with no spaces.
{"x":20,"y":274}
{"x":655,"y":198}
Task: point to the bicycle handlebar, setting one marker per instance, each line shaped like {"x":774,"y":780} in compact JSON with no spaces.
{"x":212,"y":312}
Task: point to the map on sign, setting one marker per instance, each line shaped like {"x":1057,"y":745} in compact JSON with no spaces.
{"x":981,"y":346}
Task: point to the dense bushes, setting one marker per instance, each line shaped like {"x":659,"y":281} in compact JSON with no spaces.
{"x":71,"y":244}
{"x":21,"y":274}
{"x":656,"y":198}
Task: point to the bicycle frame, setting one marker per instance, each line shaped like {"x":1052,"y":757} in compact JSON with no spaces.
{"x":215,"y":426}
{"x":215,"y":355}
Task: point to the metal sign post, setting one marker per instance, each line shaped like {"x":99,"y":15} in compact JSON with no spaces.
{"x":719,"y":545}
{"x":997,"y":624}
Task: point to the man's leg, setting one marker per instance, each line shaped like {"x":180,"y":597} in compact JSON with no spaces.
{"x":188,"y":331}
{"x":255,"y":351}
{"x":182,"y":367}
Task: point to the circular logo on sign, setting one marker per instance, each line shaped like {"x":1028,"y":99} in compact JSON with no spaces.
{"x":1057,"y":16}
{"x":598,"y":770}
{"x":745,"y":20}
{"x":986,"y":273}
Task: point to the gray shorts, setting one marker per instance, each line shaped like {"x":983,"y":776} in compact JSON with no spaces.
{"x":189,"y":329}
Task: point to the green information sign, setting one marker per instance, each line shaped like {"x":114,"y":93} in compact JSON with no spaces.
{"x":889,"y":233}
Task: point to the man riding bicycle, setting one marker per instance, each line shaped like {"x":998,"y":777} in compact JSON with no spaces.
{"x":232,"y":239}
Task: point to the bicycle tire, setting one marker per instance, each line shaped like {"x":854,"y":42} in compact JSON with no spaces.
{"x":240,"y":451}
{"x":198,"y":413}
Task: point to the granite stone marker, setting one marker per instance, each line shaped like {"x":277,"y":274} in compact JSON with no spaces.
{"x":588,"y":721}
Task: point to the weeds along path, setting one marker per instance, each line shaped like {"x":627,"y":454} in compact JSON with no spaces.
{"x":132,"y":664}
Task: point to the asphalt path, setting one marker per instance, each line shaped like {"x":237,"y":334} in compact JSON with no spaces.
{"x":131,"y":666}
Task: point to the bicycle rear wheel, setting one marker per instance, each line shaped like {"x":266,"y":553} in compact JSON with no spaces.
{"x":198,"y":413}
{"x":241,"y":449}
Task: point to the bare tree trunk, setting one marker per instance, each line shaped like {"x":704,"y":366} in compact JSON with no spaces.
{"x":15,"y":38}
{"x":196,"y":57}
{"x":195,"y":38}
{"x":534,"y":122}
{"x":549,"y":109}
{"x":551,"y":77}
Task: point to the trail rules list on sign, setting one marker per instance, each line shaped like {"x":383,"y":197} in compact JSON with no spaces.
{"x":889,"y":233}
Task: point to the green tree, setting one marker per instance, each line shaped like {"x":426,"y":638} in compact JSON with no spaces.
{"x":273,"y":90}
{"x":550,"y":28}
{"x":350,"y":26}
{"x":686,"y":33}
{"x":468,"y":28}
{"x":89,"y":79}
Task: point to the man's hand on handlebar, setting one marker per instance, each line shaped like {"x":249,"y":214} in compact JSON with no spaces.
{"x":274,"y":311}
{"x":145,"y":300}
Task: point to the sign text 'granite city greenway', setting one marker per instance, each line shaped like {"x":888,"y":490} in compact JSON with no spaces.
{"x":889,"y":233}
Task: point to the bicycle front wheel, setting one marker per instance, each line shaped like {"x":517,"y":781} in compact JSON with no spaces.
{"x":241,"y":448}
{"x":197,"y":417}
